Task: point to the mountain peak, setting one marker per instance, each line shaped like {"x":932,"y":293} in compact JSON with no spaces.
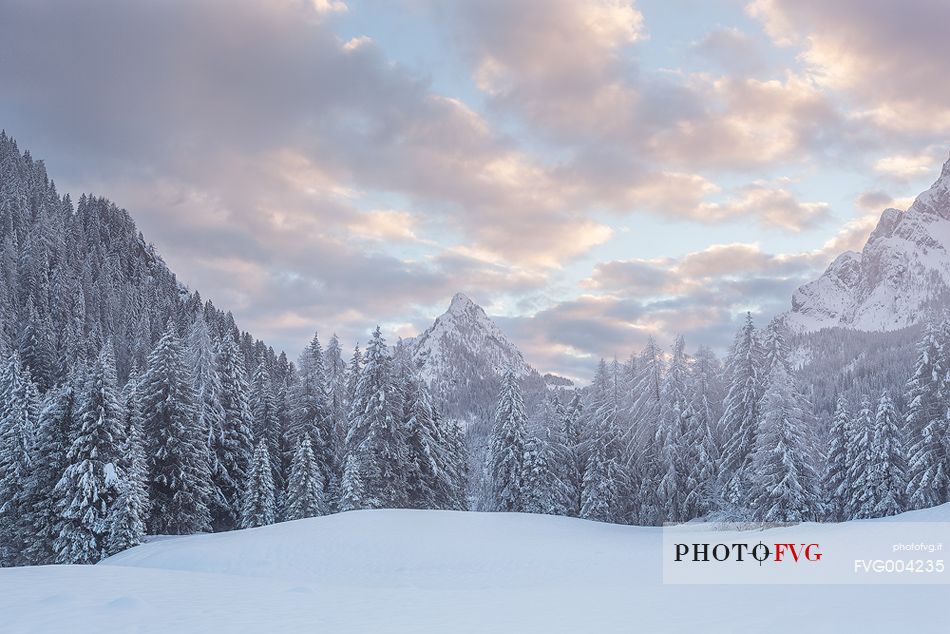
{"x":936,"y":200}
{"x":900,"y":277}
{"x":465,"y":340}
{"x":461,"y":301}
{"x":945,"y":172}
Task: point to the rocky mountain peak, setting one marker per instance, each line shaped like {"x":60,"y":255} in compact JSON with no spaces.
{"x":465,"y":339}
{"x":901,"y":276}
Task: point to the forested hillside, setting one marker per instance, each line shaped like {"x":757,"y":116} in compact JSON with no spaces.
{"x":128,"y":406}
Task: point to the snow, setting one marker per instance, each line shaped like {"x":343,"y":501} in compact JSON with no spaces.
{"x":465,"y":331}
{"x":901,"y":273}
{"x":440,"y":571}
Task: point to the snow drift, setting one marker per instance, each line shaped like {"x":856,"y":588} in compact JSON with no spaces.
{"x":438,"y":571}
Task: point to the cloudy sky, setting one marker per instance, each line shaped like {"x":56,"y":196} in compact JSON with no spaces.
{"x":590,"y":171}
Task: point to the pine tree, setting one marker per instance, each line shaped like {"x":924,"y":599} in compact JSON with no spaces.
{"x":700,"y":450}
{"x":605,"y":428}
{"x":179,"y":477}
{"x":886,"y":471}
{"x":378,"y":441}
{"x":91,"y":484}
{"x":424,"y":458}
{"x":782,"y":478}
{"x":636,"y":407}
{"x":202,"y":357}
{"x":741,"y":413}
{"x":131,"y":510}
{"x":860,"y":503}
{"x":336,"y":373}
{"x":36,"y":347}
{"x":266,"y":420}
{"x":536,"y":479}
{"x":571,"y":437}
{"x":305,"y":485}
{"x":927,"y":423}
{"x":598,"y":487}
{"x":352,"y":495}
{"x":18,"y":413}
{"x":232,"y":445}
{"x":455,"y":497}
{"x":260,"y":507}
{"x":51,"y":445}
{"x":507,"y":448}
{"x":835,"y":481}
{"x":676,"y":415}
{"x":310,"y":414}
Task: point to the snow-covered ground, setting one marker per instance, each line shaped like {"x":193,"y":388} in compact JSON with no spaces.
{"x":441,"y":572}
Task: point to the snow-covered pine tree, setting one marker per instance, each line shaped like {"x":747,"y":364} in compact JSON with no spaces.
{"x":202,"y":357}
{"x":90,"y":485}
{"x":536,"y":480}
{"x":636,"y":408}
{"x":887,"y":478}
{"x":836,"y":485}
{"x":132,"y":508}
{"x":265,"y":419}
{"x":706,"y":388}
{"x":179,"y":477}
{"x":375,"y":439}
{"x":701,"y":451}
{"x":232,"y":445}
{"x":310,"y":414}
{"x":741,"y":414}
{"x":305,"y":485}
{"x":455,"y":496}
{"x":352,"y":495}
{"x":676,"y":414}
{"x":353,"y":372}
{"x":642,"y":400}
{"x":51,"y":444}
{"x":551,"y":441}
{"x":782,"y":478}
{"x":36,"y":347}
{"x":19,"y":403}
{"x":336,"y":373}
{"x":506,"y":451}
{"x":927,"y":422}
{"x":573,"y":454}
{"x":599,"y":487}
{"x":431,"y":472}
{"x":860,"y":502}
{"x":601,"y":408}
{"x":259,"y":507}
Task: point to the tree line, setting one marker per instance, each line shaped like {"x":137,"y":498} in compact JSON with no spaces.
{"x":192,"y":444}
{"x":669,"y":438}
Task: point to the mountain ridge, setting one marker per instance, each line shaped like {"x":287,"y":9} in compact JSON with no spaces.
{"x":899,"y":278}
{"x":465,"y":324}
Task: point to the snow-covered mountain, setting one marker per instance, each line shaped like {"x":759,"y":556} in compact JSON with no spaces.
{"x":464,"y":334}
{"x":901,"y":276}
{"x":463,"y":355}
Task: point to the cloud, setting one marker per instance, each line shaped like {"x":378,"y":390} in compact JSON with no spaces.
{"x":312,"y":180}
{"x":908,"y":167}
{"x":772,"y":204}
{"x":734,"y":51}
{"x":582,"y":87}
{"x":329,"y":6}
{"x":874,"y":200}
{"x":887,"y":57}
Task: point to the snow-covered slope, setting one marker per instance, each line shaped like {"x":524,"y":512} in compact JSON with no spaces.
{"x":901,"y":275}
{"x":436,"y":571}
{"x":464,"y":334}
